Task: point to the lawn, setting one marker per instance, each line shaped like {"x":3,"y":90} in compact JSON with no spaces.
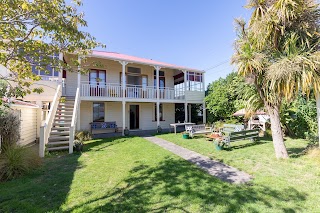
{"x":297,"y":179}
{"x":134,"y":175}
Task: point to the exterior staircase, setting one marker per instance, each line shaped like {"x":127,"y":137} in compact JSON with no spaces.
{"x":60,"y":131}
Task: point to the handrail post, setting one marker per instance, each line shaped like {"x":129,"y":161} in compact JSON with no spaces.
{"x":71,"y":139}
{"x":42,"y":142}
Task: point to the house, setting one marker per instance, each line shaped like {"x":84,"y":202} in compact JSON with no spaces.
{"x":124,"y":92}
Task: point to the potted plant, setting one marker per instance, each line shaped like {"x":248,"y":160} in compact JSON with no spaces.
{"x":159,"y":129}
{"x":78,"y":145}
{"x":185,"y":135}
{"x":219,"y":144}
{"x":126,"y":131}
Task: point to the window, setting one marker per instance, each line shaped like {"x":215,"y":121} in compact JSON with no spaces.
{"x":160,"y":110}
{"x":49,"y":70}
{"x":162,"y":79}
{"x":98,"y":112}
{"x":97,"y":77}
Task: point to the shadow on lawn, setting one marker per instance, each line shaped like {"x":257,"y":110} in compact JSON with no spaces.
{"x":175,"y":185}
{"x":46,"y":188}
{"x":42,"y":190}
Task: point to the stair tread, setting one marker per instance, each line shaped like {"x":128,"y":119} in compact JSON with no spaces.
{"x":56,"y":137}
{"x":60,"y":133}
{"x":57,"y":148}
{"x":63,"y":119}
{"x":58,"y":143}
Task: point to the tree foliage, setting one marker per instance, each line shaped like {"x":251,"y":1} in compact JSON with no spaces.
{"x":278,"y":50}
{"x":227,"y":95}
{"x":31,"y":32}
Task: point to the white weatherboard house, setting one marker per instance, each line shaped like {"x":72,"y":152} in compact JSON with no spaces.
{"x":125,"y":92}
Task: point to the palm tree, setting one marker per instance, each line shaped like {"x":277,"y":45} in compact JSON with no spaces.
{"x":279,"y":50}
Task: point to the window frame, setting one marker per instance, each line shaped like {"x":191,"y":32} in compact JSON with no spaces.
{"x":160,"y":110}
{"x":93,"y":112}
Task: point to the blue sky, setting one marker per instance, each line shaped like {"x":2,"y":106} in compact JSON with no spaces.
{"x":192,"y":33}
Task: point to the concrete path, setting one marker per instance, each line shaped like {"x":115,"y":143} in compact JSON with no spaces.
{"x":214,"y":168}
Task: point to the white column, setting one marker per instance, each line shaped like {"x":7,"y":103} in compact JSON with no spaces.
{"x":124,"y":64}
{"x":189,"y":113}
{"x":185,"y":79}
{"x":123,"y":116}
{"x":203,"y":83}
{"x":185,"y":98}
{"x":318,"y":114}
{"x":61,"y":68}
{"x":185,"y":111}
{"x":204,"y":112}
{"x":158,"y":94}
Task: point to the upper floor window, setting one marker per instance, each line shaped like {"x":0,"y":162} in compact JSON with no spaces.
{"x":97,"y":77}
{"x":47,"y":70}
{"x":162,"y":79}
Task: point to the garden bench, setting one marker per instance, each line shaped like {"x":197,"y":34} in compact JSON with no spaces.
{"x":198,"y":129}
{"x":227,"y":128}
{"x":110,"y":125}
{"x":241,"y":135}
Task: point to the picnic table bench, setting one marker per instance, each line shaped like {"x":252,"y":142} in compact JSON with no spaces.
{"x":198,"y":129}
{"x":179,"y":124}
{"x":227,"y":128}
{"x":241,"y":135}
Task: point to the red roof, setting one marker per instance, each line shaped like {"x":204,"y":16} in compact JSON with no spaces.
{"x":18,"y":102}
{"x":134,"y":59}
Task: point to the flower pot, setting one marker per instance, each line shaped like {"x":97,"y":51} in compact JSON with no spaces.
{"x":78,"y":148}
{"x":185,"y":136}
{"x":218,"y":147}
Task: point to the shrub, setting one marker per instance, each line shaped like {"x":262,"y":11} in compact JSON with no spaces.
{"x":16,"y":161}
{"x":10,"y":124}
{"x":78,"y":145}
{"x":83,"y":135}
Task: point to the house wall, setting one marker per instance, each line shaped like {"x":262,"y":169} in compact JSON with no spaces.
{"x":29,"y":123}
{"x":49,"y":88}
{"x":113,"y":70}
{"x":113,"y":112}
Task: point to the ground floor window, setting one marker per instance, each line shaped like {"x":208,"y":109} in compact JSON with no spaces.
{"x":160,"y":110}
{"x":98,"y":112}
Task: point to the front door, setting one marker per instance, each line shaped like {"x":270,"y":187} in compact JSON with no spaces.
{"x":134,"y":116}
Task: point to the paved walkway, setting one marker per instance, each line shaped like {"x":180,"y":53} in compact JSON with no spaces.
{"x":214,"y":168}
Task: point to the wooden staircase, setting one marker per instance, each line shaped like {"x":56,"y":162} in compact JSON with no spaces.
{"x":60,"y":131}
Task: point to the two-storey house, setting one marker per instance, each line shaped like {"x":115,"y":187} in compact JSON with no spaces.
{"x":133,"y":93}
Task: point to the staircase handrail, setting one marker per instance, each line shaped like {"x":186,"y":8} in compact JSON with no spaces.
{"x":74,"y":119}
{"x":46,"y":128}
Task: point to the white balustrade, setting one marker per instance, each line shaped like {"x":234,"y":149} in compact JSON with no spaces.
{"x":46,"y":128}
{"x":111,"y":90}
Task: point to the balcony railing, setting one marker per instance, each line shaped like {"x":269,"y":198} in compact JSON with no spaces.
{"x":111,"y":90}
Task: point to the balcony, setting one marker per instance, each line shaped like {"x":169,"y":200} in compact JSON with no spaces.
{"x":114,"y":91}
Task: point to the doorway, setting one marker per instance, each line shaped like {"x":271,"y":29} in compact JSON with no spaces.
{"x":134,"y":116}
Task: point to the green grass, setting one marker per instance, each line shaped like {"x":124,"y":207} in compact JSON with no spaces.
{"x":298,"y":177}
{"x":134,"y":175}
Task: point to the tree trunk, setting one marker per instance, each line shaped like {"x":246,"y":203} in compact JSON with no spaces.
{"x":277,"y":137}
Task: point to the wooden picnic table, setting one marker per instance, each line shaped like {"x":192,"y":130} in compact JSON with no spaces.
{"x":174,"y":125}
